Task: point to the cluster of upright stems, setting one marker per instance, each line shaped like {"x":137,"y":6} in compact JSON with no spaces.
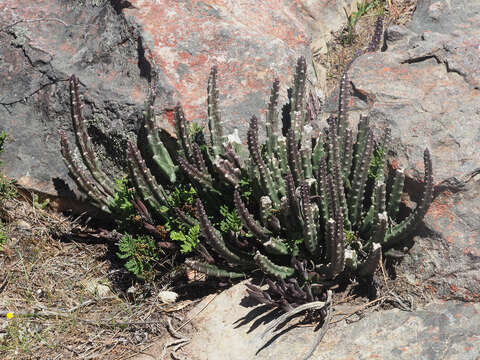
{"x":319,"y":202}
{"x":315,"y":190}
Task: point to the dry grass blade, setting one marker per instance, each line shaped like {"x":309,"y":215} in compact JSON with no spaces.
{"x":69,"y":298}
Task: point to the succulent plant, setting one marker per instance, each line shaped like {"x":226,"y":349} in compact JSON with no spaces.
{"x":321,"y":209}
{"x":95,"y":183}
{"x":318,"y":206}
{"x":309,"y":193}
{"x":315,"y":190}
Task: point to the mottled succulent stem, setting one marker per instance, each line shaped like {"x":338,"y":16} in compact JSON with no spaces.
{"x":347,"y":157}
{"x":395,"y":195}
{"x":338,"y":247}
{"x":323,"y":190}
{"x":343,"y":102}
{"x":197,"y":158}
{"x":403,"y":229}
{"x":270,"y":268}
{"x":254,"y":149}
{"x":380,"y":228}
{"x":247,"y":219}
{"x":227,"y":170}
{"x":368,"y":267}
{"x":306,"y":152}
{"x":214,"y":120}
{"x":276,"y":246}
{"x":297,"y":113}
{"x":215,"y":240}
{"x":377,"y":35}
{"x":282,"y":154}
{"x":196,"y":175}
{"x":377,"y":207}
{"x":81,"y":178}
{"x":85,"y":144}
{"x":272,"y":119}
{"x":151,"y":191}
{"x":309,"y":223}
{"x":183,"y":136}
{"x":187,"y":219}
{"x":293,"y":157}
{"x":160,"y":154}
{"x":292,"y":210}
{"x":318,"y":154}
{"x":334,"y":153}
{"x":359,"y":180}
{"x":213,"y":270}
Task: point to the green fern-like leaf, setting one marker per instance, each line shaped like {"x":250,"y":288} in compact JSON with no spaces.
{"x":231,"y":220}
{"x":141,"y":254}
{"x":189,"y":240}
{"x":121,"y":206}
{"x":376,"y":164}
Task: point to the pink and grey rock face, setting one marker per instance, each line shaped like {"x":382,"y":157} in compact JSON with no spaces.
{"x":426,"y":88}
{"x":250,"y":41}
{"x":114,"y":50}
{"x":41,"y":44}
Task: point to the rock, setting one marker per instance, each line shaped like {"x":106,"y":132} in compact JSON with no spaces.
{"x":59,"y":39}
{"x":250,"y":41}
{"x":115,"y":51}
{"x":425,"y":87}
{"x":228,"y":327}
{"x":325,"y":18}
{"x":95,"y":287}
{"x":167,"y":297}
{"x":446,"y":17}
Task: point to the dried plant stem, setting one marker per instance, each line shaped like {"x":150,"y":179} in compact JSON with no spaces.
{"x":178,"y":343}
{"x":60,"y":313}
{"x":357,"y":309}
{"x":321,"y":332}
{"x":293,"y":313}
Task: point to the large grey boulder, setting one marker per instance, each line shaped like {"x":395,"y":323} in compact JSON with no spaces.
{"x":425,"y":87}
{"x":116,"y":48}
{"x":41,"y":45}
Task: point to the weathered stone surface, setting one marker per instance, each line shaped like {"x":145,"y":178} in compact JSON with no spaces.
{"x":324,"y":18}
{"x":447,"y":330}
{"x":446,"y":16}
{"x":114,"y":50}
{"x":226,"y":330}
{"x":425,"y":87}
{"x":41,"y":44}
{"x":250,"y":41}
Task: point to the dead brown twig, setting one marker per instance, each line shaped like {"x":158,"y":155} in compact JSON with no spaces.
{"x":357,"y":309}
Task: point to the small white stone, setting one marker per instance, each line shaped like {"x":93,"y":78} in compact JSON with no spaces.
{"x":103,"y":291}
{"x":167,"y":297}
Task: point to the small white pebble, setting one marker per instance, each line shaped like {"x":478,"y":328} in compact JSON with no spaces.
{"x":167,"y":297}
